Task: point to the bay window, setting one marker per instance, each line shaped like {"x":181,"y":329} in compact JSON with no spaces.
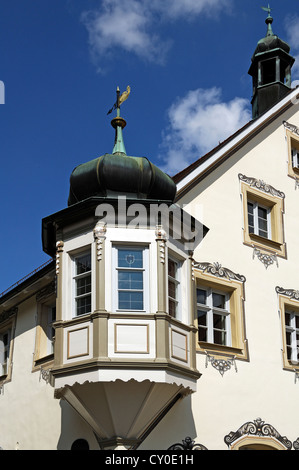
{"x":131,"y":278}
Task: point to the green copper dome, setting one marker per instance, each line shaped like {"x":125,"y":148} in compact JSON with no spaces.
{"x":119,"y":174}
{"x":271,"y":41}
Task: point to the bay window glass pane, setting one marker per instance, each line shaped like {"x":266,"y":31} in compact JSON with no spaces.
{"x":287,"y":319}
{"x":83,"y":285}
{"x":201,"y":296}
{"x":172,"y":307}
{"x":83,"y":264}
{"x":130,"y":258}
{"x":172,"y":289}
{"x":83,"y":305}
{"x":172,"y":267}
{"x":130,"y":280}
{"x":130,"y":300}
{"x":297,"y":321}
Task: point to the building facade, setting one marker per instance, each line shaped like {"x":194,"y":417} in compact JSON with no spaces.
{"x":169,"y":307}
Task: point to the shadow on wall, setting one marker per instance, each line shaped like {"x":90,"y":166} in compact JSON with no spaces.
{"x":174,"y":427}
{"x":75,"y":433}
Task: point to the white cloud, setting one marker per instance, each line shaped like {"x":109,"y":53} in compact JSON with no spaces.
{"x":197,"y":123}
{"x":189,"y":9}
{"x":292,"y":30}
{"x":131,"y":25}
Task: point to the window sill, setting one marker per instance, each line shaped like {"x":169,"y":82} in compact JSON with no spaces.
{"x":220,"y":349}
{"x":265,"y":241}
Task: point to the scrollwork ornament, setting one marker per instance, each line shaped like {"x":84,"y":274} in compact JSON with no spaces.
{"x":261,"y":185}
{"x":292,"y":293}
{"x":291,"y":127}
{"x":217,"y":270}
{"x":265,"y":258}
{"x":257,"y":428}
{"x":296,"y":444}
{"x":223,"y":364}
{"x":187,"y":444}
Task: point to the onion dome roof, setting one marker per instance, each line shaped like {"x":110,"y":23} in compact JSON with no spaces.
{"x":119,"y":174}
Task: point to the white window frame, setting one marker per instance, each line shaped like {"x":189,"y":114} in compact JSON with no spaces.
{"x":177,"y":281}
{"x":145,"y":270}
{"x":75,"y":277}
{"x":295,"y":158}
{"x":210,"y":310}
{"x":4,"y":351}
{"x":256,"y":206}
{"x":51,"y":317}
{"x":294,"y":332}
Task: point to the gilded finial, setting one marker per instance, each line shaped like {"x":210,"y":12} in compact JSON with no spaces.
{"x":118,"y":122}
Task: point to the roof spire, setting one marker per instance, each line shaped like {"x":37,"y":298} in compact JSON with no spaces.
{"x":118,"y":122}
{"x":269,"y":20}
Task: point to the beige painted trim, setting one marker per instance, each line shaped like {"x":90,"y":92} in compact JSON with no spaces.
{"x":237,"y":315}
{"x":257,"y":443}
{"x":9,"y":324}
{"x":276,"y":204}
{"x":292,"y":142}
{"x":286,"y":303}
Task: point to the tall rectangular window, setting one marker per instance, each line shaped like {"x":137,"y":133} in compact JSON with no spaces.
{"x":292,"y":335}
{"x":131,"y":275}
{"x":50,"y":329}
{"x":173,"y":287}
{"x":82,"y":283}
{"x":213,"y":316}
{"x":4,"y":351}
{"x":259,"y":219}
{"x":295,"y":158}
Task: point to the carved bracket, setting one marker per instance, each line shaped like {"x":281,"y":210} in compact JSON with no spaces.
{"x":59,"y":249}
{"x":99,"y":233}
{"x":161,"y":237}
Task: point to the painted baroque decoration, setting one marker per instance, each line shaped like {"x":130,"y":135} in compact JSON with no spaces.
{"x":217,"y":270}
{"x":222,"y":365}
{"x":257,"y":428}
{"x":292,"y":293}
{"x":291,"y":127}
{"x":296,"y":444}
{"x":187,"y":444}
{"x":261,"y":185}
{"x":265,"y":258}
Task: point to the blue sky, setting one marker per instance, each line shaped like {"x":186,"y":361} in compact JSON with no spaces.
{"x":186,"y":62}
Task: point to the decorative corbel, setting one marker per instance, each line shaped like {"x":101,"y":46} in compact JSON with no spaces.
{"x":99,"y":233}
{"x":59,"y":249}
{"x":161,"y":237}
